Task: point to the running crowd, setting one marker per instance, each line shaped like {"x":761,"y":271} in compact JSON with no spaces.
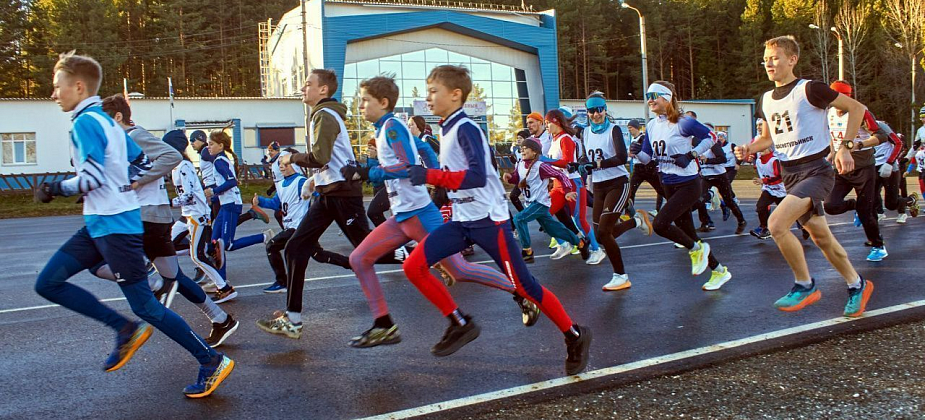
{"x":815,"y":145}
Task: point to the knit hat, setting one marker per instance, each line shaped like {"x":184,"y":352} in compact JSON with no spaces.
{"x":535,"y":116}
{"x":274,"y":145}
{"x":523,"y":134}
{"x":198,"y":135}
{"x":177,"y":139}
{"x":532,"y":143}
{"x":635,"y":124}
{"x":841,"y":87}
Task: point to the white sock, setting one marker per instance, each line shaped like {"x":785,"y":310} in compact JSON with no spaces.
{"x":720,"y":268}
{"x":294,"y":317}
{"x":856,"y":284}
{"x":696,"y":246}
{"x":805,"y":283}
{"x":155,"y":282}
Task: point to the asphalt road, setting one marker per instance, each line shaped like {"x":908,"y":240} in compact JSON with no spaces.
{"x":51,"y":359}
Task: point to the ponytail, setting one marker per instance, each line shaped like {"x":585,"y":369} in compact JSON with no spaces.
{"x":674,"y":108}
{"x":221,"y":137}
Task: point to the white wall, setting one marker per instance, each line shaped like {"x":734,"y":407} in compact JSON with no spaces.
{"x":347,"y":9}
{"x":51,"y":125}
{"x":738,"y":116}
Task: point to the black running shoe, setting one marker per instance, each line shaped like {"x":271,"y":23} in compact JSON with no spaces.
{"x":166,"y":293}
{"x":529,"y":310}
{"x":221,"y":332}
{"x":740,"y":227}
{"x":455,"y":337}
{"x":577,"y":350}
{"x":584,"y":248}
{"x":528,"y":256}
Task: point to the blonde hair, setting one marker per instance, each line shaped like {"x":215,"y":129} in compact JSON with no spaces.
{"x":84,"y":68}
{"x":787,"y":43}
{"x":224,"y":139}
{"x":453,"y":77}
{"x":674,"y":108}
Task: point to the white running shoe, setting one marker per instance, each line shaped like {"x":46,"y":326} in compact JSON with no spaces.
{"x":561,"y":251}
{"x":700,"y":258}
{"x":881,"y":217}
{"x":210,"y":287}
{"x":714,"y":199}
{"x":653,"y":213}
{"x":679,"y":246}
{"x":267,"y":235}
{"x":902,"y":218}
{"x":643,"y":223}
{"x":401,"y":253}
{"x":596,"y":257}
{"x":717,"y":279}
{"x":617,"y":282}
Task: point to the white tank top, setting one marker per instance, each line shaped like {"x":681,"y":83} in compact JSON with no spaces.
{"x":403,"y":196}
{"x":545,"y":141}
{"x":537,"y":189}
{"x":666,"y":140}
{"x":231,"y":195}
{"x":766,"y":170}
{"x":730,"y":156}
{"x":186,"y":181}
{"x":115,"y":195}
{"x":475,"y":203}
{"x":882,"y":151}
{"x":711,"y":169}
{"x":920,"y":160}
{"x":341,"y":155}
{"x":837,"y":126}
{"x":293,"y":207}
{"x":798,"y":128}
{"x":599,"y":146}
{"x":153,"y":193}
{"x":555,"y":152}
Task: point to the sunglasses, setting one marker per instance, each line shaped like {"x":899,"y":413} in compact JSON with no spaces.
{"x":651,"y":96}
{"x":597,"y":110}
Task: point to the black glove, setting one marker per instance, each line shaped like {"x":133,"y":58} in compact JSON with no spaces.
{"x":512,"y":158}
{"x":440,"y":197}
{"x":354,"y":173}
{"x":44,"y":192}
{"x":271,"y":190}
{"x":417,"y":175}
{"x":635,"y":147}
{"x":683,"y":160}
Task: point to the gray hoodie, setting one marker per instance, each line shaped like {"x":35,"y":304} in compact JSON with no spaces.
{"x":163,"y":159}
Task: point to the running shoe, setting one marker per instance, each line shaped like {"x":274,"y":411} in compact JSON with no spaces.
{"x":530,"y":313}
{"x":726,"y":213}
{"x":799,"y":298}
{"x":857,"y":220}
{"x":210,"y":287}
{"x":166,"y":293}
{"x":448,"y":280}
{"x":468,"y":251}
{"x":617,"y":282}
{"x":275,"y":288}
{"x":877,"y":253}
{"x":376,"y":336}
{"x":700,"y":258}
{"x":553,"y":243}
{"x":717,"y":279}
{"x":268,"y":235}
{"x":643,"y":223}
{"x":527,"y":256}
{"x":760,"y":233}
{"x":561,"y":252}
{"x":577,"y":351}
{"x":455,"y":337}
{"x":901,"y":219}
{"x":741,"y":227}
{"x":914,"y":206}
{"x":881,"y":217}
{"x":401,"y":253}
{"x":653,"y":213}
{"x":221,"y":331}
{"x":679,"y":246}
{"x":259,"y":214}
{"x":711,"y":226}
{"x":127,"y":343}
{"x":596,"y":257}
{"x":703,"y":228}
{"x":225,"y":294}
{"x":149,"y":267}
{"x":200,"y":277}
{"x":805,"y":233}
{"x":210,"y":377}
{"x":857,"y":299}
{"x":280,"y":324}
{"x":584,"y":248}
{"x":575,"y":250}
{"x":218,"y":254}
{"x":714,"y":199}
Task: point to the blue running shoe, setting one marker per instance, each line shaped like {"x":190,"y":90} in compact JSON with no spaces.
{"x":798,"y":298}
{"x":877,"y":253}
{"x":857,"y":299}
{"x":128,"y":342}
{"x":726,"y":212}
{"x":857,"y":220}
{"x":275,"y":288}
{"x":210,"y":377}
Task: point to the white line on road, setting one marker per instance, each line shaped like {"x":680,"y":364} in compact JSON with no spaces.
{"x":343,"y":276}
{"x":616,"y":370}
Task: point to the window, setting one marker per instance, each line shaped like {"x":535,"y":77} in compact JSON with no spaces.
{"x":18,"y":148}
{"x":285,"y":136}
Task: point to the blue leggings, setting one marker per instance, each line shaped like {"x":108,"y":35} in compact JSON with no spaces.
{"x":540,"y":213}
{"x":224,"y":228}
{"x":124,"y":255}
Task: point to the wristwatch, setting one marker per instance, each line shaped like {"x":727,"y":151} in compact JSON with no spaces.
{"x":694,"y":154}
{"x":848,"y":144}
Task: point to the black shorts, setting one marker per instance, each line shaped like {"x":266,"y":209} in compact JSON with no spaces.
{"x":813,"y":180}
{"x":156,"y":240}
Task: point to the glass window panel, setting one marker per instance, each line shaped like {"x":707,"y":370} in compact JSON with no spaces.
{"x":486,"y":90}
{"x":409,"y":87}
{"x":350,"y":70}
{"x":501,"y":72}
{"x":391,"y":68}
{"x":30,"y":152}
{"x":502,"y":89}
{"x":413,"y":70}
{"x":19,"y":151}
{"x":396,"y":57}
{"x":413,"y":56}
{"x":502,"y":106}
{"x":480,"y":71}
{"x":367,"y":69}
{"x":436,"y":55}
{"x":457,"y":58}
{"x":349,"y":89}
{"x":7,"y":152}
{"x":478,"y":60}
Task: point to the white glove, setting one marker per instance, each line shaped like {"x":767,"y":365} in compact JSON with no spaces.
{"x":886,"y":170}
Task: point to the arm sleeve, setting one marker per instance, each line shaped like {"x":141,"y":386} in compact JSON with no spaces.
{"x":427,"y":154}
{"x":221,"y":166}
{"x":547,"y":171}
{"x":163,"y":157}
{"x":819,"y":94}
{"x":689,"y":127}
{"x":568,"y":153}
{"x":759,"y":110}
{"x":515,"y":175}
{"x":469,"y":138}
{"x":645,"y":155}
{"x":719,"y":153}
{"x":269,"y":203}
{"x":620,"y":146}
{"x":90,"y":142}
{"x":400,"y":143}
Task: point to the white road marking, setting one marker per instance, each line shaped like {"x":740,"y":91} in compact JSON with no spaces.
{"x":629,"y":367}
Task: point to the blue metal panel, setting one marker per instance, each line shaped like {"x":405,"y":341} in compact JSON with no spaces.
{"x":338,"y":31}
{"x":237,"y":136}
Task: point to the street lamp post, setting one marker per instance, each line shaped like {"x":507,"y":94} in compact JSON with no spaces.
{"x":841,"y":54}
{"x":912,"y":103}
{"x":642,"y":47}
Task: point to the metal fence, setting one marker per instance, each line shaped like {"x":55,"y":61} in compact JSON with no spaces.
{"x":19,"y":183}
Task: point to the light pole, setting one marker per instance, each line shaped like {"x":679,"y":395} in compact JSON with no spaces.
{"x":823,"y":47}
{"x":642,"y":48}
{"x":841,"y":54}
{"x":912,"y":103}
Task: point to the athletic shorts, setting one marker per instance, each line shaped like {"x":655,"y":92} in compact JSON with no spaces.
{"x":813,"y":180}
{"x":156,"y":240}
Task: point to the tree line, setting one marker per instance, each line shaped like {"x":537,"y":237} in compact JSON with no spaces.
{"x":709,"y":49}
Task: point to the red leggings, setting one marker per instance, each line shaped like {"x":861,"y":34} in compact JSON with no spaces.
{"x":557,"y":197}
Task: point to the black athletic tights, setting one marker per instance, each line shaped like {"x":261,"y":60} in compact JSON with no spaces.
{"x":681,"y":198}
{"x":610,"y":197}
